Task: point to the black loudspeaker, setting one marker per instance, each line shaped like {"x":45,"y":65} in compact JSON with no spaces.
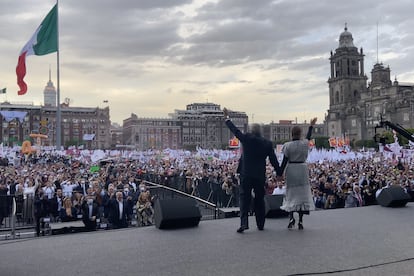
{"x":393,"y":196}
{"x":176,"y":213}
{"x":272,"y":206}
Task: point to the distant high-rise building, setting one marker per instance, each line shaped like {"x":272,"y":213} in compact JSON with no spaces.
{"x":50,"y":93}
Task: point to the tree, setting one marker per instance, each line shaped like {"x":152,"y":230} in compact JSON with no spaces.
{"x":73,"y":142}
{"x":322,"y":142}
{"x":365,"y":143}
{"x":404,"y":141}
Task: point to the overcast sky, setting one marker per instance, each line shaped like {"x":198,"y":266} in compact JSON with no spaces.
{"x":269,"y":59}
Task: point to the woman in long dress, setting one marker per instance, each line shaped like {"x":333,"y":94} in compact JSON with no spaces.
{"x":298,"y":192}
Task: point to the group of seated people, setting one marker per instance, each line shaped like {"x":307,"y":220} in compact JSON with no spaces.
{"x":112,"y":207}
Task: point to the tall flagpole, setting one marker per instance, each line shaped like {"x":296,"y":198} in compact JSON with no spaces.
{"x":58,"y":111}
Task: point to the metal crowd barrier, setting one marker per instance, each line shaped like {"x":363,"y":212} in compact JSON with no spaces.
{"x":18,"y":213}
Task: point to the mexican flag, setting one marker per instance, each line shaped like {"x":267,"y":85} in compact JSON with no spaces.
{"x":44,"y":41}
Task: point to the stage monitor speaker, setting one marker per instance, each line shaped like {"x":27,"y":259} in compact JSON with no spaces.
{"x":176,"y":213}
{"x":393,"y":196}
{"x":272,"y":206}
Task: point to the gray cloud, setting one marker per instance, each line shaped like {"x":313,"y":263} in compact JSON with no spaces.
{"x":189,"y":91}
{"x":151,"y":45}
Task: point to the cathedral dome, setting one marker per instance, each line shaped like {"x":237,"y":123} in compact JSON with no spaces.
{"x":345,"y":39}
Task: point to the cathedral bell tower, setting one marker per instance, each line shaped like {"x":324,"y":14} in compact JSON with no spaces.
{"x":346,"y":83}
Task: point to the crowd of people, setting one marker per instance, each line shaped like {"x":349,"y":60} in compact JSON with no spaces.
{"x":67,"y":188}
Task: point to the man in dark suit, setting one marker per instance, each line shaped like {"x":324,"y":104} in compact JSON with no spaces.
{"x":89,"y":213}
{"x":118,"y":211}
{"x":252,"y":170}
{"x":56,"y":203}
{"x":107,"y":199}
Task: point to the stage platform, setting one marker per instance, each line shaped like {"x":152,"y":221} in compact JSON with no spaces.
{"x":370,"y":240}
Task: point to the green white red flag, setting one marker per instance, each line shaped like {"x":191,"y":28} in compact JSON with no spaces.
{"x":44,"y":41}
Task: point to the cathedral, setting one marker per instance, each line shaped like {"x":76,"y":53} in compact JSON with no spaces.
{"x":355,"y":105}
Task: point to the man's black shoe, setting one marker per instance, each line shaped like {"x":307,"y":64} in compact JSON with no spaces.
{"x":242,"y":228}
{"x":261,"y":228}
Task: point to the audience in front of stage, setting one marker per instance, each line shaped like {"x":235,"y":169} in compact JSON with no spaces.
{"x":67,"y":184}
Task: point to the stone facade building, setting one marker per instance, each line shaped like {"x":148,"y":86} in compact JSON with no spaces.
{"x":355,"y":106}
{"x":199,"y":125}
{"x":151,"y":133}
{"x":76,"y":122}
{"x":203,"y":125}
{"x":282,"y":131}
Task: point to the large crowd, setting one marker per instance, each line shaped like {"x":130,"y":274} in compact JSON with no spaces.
{"x":92,"y":186}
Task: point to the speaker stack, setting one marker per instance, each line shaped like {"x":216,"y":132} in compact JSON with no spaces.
{"x":272,"y":206}
{"x":393,"y":196}
{"x":176,"y":213}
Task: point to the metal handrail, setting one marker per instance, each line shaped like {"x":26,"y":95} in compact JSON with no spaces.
{"x":13,"y":230}
{"x":211,"y":205}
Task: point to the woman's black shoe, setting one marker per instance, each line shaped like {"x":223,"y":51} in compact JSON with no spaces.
{"x":291,"y":223}
{"x":300,"y":225}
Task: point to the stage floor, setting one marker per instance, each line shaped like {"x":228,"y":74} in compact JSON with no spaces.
{"x":371,"y":240}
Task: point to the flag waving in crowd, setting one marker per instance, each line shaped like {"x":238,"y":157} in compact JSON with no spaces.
{"x":44,"y":41}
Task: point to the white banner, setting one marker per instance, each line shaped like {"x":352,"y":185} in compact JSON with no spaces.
{"x":88,"y":137}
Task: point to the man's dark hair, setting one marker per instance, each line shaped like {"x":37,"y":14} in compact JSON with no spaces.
{"x":296,"y":132}
{"x":256,"y":129}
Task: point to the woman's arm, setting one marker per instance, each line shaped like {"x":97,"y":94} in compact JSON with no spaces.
{"x":312,"y":123}
{"x":283,"y":166}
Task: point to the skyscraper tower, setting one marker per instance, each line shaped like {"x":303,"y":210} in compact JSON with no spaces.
{"x":346,"y":84}
{"x":50,"y":93}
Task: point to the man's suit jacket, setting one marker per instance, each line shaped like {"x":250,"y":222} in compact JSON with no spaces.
{"x":255,"y":151}
{"x":85,"y":210}
{"x":53,"y":205}
{"x":106,"y":202}
{"x":91,"y":224}
{"x":114,"y":214}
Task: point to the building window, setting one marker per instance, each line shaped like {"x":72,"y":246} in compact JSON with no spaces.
{"x":406,"y":117}
{"x":377,"y":111}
